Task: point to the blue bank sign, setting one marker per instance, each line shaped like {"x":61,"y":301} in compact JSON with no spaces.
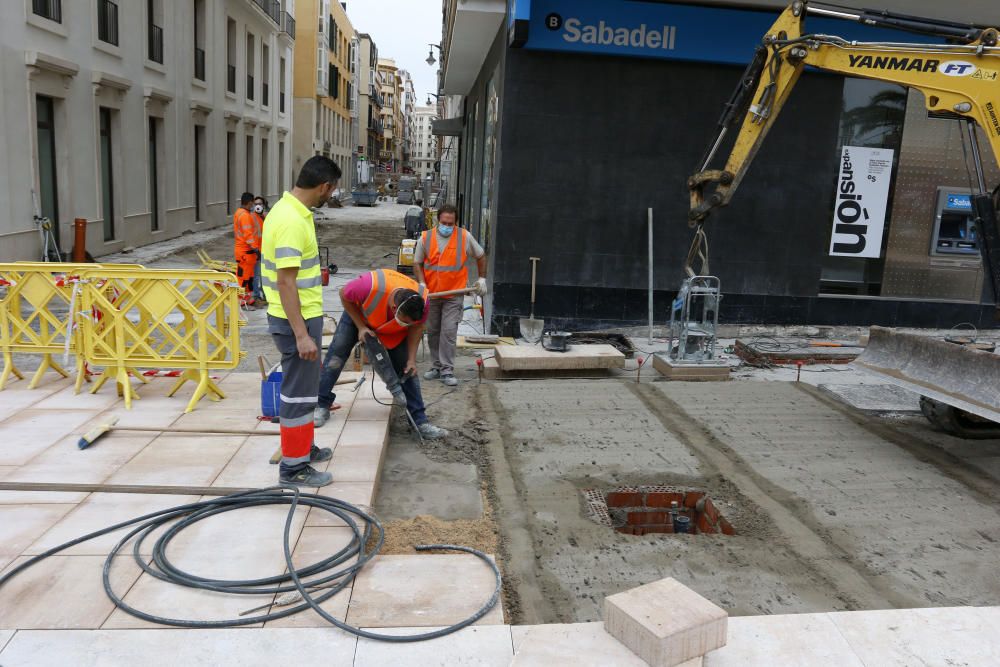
{"x":663,"y":30}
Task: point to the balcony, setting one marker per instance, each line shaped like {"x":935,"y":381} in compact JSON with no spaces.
{"x":231,"y":78}
{"x":155,"y":43}
{"x":270,"y":7}
{"x":49,"y":9}
{"x":288,"y":25}
{"x":199,"y":64}
{"x":107,"y":21}
{"x":250,"y":88}
{"x":264,"y":94}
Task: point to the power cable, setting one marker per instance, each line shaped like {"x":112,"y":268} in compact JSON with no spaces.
{"x":306,"y":581}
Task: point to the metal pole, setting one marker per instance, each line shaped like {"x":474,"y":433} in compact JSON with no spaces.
{"x":649,"y":215}
{"x":976,"y":155}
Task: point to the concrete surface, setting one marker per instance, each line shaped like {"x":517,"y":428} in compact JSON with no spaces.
{"x":413,"y":484}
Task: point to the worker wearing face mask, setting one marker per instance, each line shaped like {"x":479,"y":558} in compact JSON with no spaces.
{"x":393,"y":308}
{"x":259,"y":212}
{"x":440,"y":262}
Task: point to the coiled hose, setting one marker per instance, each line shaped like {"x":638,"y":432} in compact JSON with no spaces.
{"x":306,"y":581}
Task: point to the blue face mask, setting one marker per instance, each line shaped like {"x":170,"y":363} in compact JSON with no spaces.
{"x":446,"y":230}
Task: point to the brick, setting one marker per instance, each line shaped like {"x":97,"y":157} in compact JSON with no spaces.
{"x":704,"y":526}
{"x":661,"y":528}
{"x":726,"y":527}
{"x":711,"y":512}
{"x":692,"y":497}
{"x":663,"y":499}
{"x":645,"y":518}
{"x":624,"y":499}
{"x":665,"y":623}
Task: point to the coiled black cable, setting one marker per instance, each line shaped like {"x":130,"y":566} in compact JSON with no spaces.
{"x":319,"y":576}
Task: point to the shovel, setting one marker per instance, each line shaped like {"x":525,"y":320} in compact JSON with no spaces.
{"x":531,"y":328}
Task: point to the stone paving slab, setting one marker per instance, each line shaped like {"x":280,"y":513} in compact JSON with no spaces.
{"x":479,"y":645}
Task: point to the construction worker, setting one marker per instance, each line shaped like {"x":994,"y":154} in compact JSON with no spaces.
{"x":393,"y":308}
{"x":247,"y":246}
{"x":260,"y":209}
{"x":290,"y":274}
{"x":439,"y":262}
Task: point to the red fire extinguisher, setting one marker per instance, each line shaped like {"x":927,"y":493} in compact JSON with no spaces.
{"x":327,"y":267}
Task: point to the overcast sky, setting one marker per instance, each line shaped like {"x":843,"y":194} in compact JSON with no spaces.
{"x":402,"y":29}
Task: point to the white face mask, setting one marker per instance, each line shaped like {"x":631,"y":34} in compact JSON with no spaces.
{"x":259,"y":208}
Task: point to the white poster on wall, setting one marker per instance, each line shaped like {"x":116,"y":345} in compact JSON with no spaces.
{"x":862,"y":198}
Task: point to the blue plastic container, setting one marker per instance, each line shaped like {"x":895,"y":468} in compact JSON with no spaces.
{"x":270,"y":394}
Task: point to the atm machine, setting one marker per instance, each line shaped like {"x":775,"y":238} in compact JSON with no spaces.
{"x":954,"y":224}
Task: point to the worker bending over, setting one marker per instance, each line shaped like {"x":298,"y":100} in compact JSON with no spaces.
{"x":246,"y":234}
{"x":393,"y":308}
{"x":293,"y":287}
{"x":440,"y":263}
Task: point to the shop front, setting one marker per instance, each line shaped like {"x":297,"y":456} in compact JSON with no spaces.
{"x":585,"y":114}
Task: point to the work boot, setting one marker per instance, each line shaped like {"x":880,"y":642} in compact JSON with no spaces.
{"x":320,"y":454}
{"x":432,"y":374}
{"x":321,"y":416}
{"x":431,"y":432}
{"x":307,"y":476}
{"x":449,"y":379}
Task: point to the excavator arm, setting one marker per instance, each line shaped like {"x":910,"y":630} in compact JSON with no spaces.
{"x":960,"y":81}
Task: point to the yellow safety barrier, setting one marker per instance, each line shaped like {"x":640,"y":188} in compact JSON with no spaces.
{"x":155,"y":318}
{"x":215,"y":264}
{"x":36,"y":301}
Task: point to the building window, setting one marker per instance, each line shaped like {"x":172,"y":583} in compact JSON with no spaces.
{"x":250,"y":67}
{"x":49,"y":9}
{"x":248,"y":186}
{"x":334,"y":82}
{"x":46,"y":135}
{"x":155,"y":32}
{"x":231,"y":56}
{"x":107,"y":174}
{"x":199,"y":151}
{"x":230,"y":163}
{"x":281,"y":86}
{"x":281,"y":167}
{"x":199,"y":40}
{"x":263,"y":167}
{"x":154,"y":173}
{"x":265,"y":75}
{"x":107,"y":21}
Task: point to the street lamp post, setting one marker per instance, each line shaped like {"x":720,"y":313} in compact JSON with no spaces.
{"x":430,"y":54}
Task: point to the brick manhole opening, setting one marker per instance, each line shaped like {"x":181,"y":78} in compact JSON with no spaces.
{"x":641,"y":510}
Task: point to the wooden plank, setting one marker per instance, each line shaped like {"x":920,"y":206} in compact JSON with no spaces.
{"x":534,"y":357}
{"x":691,"y":373}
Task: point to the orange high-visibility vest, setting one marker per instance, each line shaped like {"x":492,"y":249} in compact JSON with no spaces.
{"x":380,"y":317}
{"x":444,"y":268}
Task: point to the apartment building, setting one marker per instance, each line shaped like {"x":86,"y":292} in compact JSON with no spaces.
{"x":409,"y":104}
{"x":370,"y":100}
{"x":391,"y":152}
{"x":147,"y":119}
{"x":424,"y":143}
{"x":323,"y":88}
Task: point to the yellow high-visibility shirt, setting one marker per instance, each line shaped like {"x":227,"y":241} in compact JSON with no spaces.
{"x":290,"y":241}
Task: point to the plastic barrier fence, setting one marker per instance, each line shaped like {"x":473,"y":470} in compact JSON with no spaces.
{"x":215,"y":264}
{"x":150,"y":318}
{"x":35,"y":307}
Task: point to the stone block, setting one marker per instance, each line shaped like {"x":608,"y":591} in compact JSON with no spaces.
{"x":665,"y":623}
{"x":532,"y":357}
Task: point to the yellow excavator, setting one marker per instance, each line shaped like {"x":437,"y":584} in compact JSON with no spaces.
{"x":960,"y":79}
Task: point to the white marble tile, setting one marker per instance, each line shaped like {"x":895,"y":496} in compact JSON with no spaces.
{"x":478,"y":645}
{"x":787,"y":639}
{"x":65,"y":462}
{"x":63,"y":592}
{"x":250,"y":467}
{"x":229,"y":647}
{"x":364,"y":410}
{"x":316,"y":544}
{"x":364,"y":433}
{"x":179,"y":460}
{"x":102,"y":400}
{"x":5,"y":636}
{"x":41,"y":497}
{"x":571,"y":644}
{"x":356,"y":463}
{"x":20,"y":525}
{"x":30,"y":432}
{"x":99,"y":511}
{"x":357,"y":493}
{"x":940,"y":636}
{"x":422,"y":590}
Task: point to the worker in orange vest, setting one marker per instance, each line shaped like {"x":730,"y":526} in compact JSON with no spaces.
{"x":392,"y":307}
{"x":440,"y":262}
{"x":247,"y":237}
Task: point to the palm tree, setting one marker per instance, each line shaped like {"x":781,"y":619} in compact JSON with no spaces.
{"x":878,"y":123}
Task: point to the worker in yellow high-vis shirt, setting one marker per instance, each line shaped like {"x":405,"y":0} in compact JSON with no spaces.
{"x":292,"y":281}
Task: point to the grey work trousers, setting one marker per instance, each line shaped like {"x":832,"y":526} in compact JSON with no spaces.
{"x":299,"y":386}
{"x":443,"y":318}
